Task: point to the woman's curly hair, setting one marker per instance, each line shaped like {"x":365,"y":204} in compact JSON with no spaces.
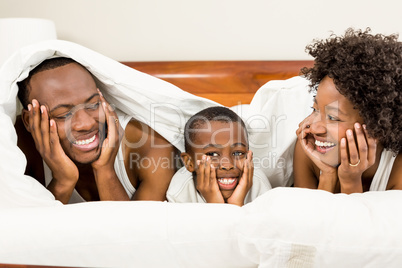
{"x":367,"y":70}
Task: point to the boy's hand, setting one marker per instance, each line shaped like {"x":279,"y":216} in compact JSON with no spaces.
{"x":206,"y":181}
{"x":110,"y":146}
{"x":245,"y":183}
{"x":44,"y":133}
{"x":357,"y":155}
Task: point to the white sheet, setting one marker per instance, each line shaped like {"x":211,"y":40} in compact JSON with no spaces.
{"x":273,"y":117}
{"x":285,"y":227}
{"x":155,"y":102}
{"x":289,"y":227}
{"x":123,"y":234}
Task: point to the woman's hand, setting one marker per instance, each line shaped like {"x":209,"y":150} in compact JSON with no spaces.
{"x":206,"y":181}
{"x":245,"y":183}
{"x":307,"y":142}
{"x":328,"y":178}
{"x":357,"y":155}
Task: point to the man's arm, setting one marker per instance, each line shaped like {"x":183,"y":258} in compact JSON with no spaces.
{"x":150,"y":161}
{"x":107,"y":182}
{"x":26,"y":144}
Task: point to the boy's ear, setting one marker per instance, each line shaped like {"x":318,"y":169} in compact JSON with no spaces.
{"x":188,"y":161}
{"x":25,"y":119}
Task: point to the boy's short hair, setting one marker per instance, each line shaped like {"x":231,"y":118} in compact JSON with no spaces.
{"x":215,"y":113}
{"x":49,"y":64}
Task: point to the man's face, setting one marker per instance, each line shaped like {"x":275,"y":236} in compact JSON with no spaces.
{"x":227,"y":146}
{"x":70,"y":94}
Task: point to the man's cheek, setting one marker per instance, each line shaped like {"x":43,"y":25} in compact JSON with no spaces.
{"x":63,"y":138}
{"x":100,"y":116}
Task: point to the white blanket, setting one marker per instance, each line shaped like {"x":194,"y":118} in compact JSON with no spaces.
{"x":161,"y":105}
{"x":285,"y":227}
{"x":272,"y":117}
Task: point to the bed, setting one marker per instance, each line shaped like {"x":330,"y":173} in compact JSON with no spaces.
{"x":286,"y":227}
{"x":229,"y":83}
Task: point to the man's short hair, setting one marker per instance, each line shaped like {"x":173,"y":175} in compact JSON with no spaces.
{"x":216,"y":113}
{"x":49,"y":64}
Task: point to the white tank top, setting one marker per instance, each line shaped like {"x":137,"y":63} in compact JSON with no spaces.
{"x":118,"y":167}
{"x":381,"y":176}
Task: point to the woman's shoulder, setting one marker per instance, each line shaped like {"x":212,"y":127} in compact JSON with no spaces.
{"x":395,"y":178}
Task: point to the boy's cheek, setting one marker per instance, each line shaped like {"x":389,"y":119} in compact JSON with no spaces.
{"x":215,"y":163}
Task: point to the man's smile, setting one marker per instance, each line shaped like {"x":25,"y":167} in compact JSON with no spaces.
{"x":87,"y":144}
{"x":83,"y":142}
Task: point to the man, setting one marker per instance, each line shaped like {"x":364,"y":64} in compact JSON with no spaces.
{"x":79,"y":136}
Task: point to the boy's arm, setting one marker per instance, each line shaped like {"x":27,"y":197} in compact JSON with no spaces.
{"x":150,"y":159}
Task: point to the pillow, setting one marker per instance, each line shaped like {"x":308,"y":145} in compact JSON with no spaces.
{"x":294,"y":227}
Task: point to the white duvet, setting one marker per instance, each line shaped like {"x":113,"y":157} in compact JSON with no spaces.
{"x":285,"y":227}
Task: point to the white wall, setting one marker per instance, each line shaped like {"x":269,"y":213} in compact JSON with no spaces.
{"x":153,"y":30}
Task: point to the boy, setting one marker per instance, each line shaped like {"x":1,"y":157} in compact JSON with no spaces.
{"x":218,"y":164}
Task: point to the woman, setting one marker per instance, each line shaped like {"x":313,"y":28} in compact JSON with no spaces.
{"x":351,"y":141}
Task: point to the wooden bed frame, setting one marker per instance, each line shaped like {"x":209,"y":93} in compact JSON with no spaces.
{"x":227,"y":82}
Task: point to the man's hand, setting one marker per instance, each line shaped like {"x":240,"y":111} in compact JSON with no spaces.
{"x":245,"y":183}
{"x":108,"y":184}
{"x":111,"y":144}
{"x":206,"y":181}
{"x":44,"y":133}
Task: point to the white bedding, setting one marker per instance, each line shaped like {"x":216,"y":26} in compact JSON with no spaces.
{"x":285,"y":227}
{"x":155,"y":102}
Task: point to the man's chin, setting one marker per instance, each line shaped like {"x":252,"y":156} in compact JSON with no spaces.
{"x":80,"y":161}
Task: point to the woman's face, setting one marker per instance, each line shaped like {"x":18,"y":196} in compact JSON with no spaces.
{"x":332,"y":116}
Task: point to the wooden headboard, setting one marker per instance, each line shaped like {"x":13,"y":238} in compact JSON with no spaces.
{"x":226,"y":82}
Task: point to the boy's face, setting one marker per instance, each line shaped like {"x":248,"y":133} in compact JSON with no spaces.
{"x":227,"y":145}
